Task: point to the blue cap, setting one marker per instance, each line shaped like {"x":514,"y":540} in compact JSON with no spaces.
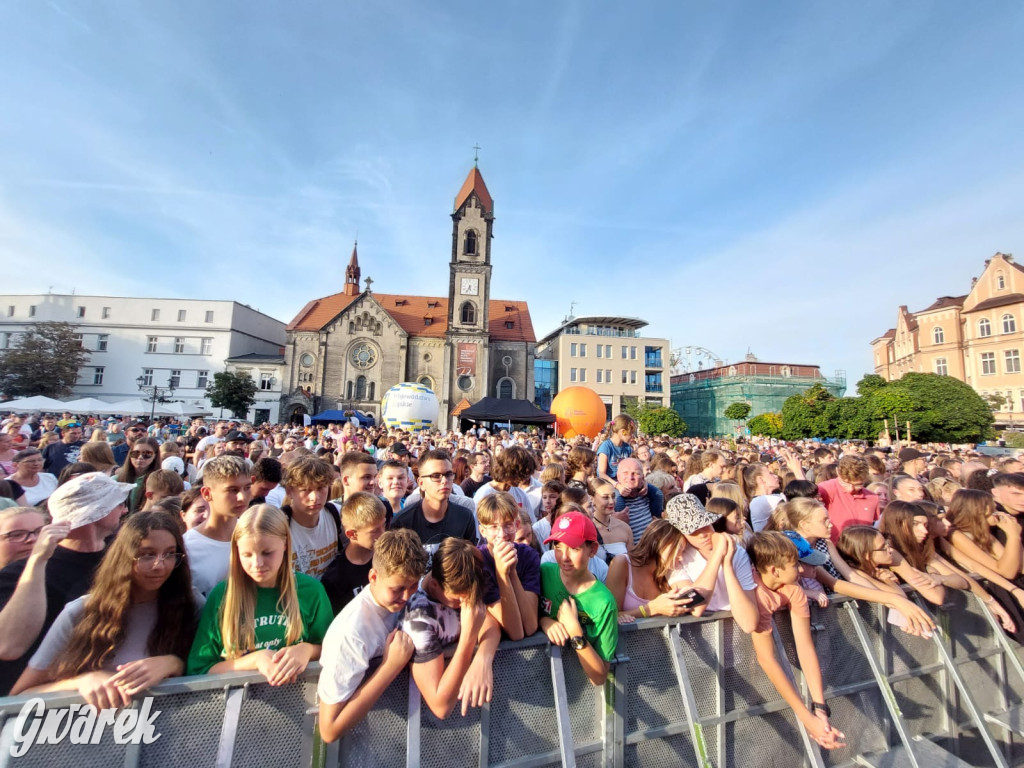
{"x":807,"y":554}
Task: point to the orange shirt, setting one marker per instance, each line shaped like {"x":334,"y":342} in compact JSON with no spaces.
{"x":771,"y":600}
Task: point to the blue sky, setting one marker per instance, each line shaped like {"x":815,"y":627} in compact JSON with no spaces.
{"x":775,"y":176}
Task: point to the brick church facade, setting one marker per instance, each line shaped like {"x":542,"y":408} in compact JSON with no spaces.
{"x":344,"y":351}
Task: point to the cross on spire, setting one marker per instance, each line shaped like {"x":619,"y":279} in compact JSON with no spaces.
{"x":476,"y":155}
{"x":369,"y":282}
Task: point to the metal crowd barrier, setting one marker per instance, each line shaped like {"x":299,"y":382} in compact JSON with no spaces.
{"x":683,"y":692}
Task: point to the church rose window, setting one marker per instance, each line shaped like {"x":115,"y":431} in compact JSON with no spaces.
{"x":364,"y":356}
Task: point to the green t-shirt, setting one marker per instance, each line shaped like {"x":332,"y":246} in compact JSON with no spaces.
{"x":599,"y":615}
{"x":271,"y":626}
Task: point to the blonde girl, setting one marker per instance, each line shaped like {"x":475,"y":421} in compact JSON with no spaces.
{"x":265,"y":617}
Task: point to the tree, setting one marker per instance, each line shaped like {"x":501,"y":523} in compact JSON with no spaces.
{"x":943,"y":409}
{"x":234,"y":391}
{"x":658,"y":420}
{"x":737,"y":411}
{"x":995,"y":400}
{"x":766,"y":425}
{"x":870,"y":383}
{"x":804,"y":414}
{"x":43,"y":361}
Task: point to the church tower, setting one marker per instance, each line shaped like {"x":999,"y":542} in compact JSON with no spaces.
{"x":352,"y":274}
{"x":469,"y":290}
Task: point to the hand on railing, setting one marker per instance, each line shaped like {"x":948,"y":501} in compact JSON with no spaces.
{"x":820,"y":729}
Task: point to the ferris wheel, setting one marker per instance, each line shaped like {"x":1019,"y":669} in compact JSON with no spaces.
{"x":693,"y":358}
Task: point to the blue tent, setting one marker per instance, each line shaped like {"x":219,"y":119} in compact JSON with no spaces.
{"x":339,"y":417}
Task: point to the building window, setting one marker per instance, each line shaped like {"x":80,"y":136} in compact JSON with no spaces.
{"x":583,"y":374}
{"x":101,"y":342}
{"x":79,"y":338}
{"x":470,"y":248}
{"x":632,"y":377}
{"x":81,"y":311}
{"x":204,"y":346}
{"x":348,"y":391}
{"x":988,"y":363}
{"x":1012,"y":360}
{"x":181,"y":315}
{"x":147,"y":377}
{"x":786,"y":371}
{"x":600,"y":350}
{"x":506,"y":389}
{"x":175,"y":379}
{"x":179,"y":345}
{"x":573,"y":349}
{"x":624,"y":353}
{"x":510,"y":324}
{"x":600,"y":372}
{"x":632,"y":353}
{"x":984,"y":327}
{"x":1000,"y":282}
{"x":1009,"y":324}
{"x":583,"y":350}
{"x":938,"y":335}
{"x":209,"y":315}
{"x":361,"y":388}
{"x":940,"y":366}
{"x":151,"y":343}
{"x":465,"y":383}
{"x":32,"y":310}
{"x":10,"y":310}
{"x":427,"y":382}
{"x":625,"y":377}
{"x":572,"y":374}
{"x":202,"y":379}
{"x":607,"y":376}
{"x":97,"y":375}
{"x":608,"y":351}
{"x":468,"y":314}
{"x":266,"y":381}
{"x":154,"y":315}
{"x":105,"y":314}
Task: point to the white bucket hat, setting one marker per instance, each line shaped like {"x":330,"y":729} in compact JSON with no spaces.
{"x":87,"y":498}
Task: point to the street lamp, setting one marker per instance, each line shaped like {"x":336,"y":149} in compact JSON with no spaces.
{"x":156,"y":393}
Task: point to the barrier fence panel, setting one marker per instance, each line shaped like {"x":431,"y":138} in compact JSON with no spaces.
{"x":683,"y":692}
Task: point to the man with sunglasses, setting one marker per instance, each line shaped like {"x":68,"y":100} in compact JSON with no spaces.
{"x":58,"y":455}
{"x":433,"y":516}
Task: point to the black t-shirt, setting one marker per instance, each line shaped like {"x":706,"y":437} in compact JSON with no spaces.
{"x":470,"y":486}
{"x":457,"y":522}
{"x":343,"y":580}
{"x":56,"y":456}
{"x":68,"y":576}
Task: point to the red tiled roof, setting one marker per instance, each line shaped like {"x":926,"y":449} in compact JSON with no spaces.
{"x":409,"y":311}
{"x":999,"y":301}
{"x":475,"y":183}
{"x":945,"y":302}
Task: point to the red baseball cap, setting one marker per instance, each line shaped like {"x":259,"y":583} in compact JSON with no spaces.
{"x":573,"y":529}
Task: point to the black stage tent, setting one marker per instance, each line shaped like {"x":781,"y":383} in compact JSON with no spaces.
{"x":495,"y":409}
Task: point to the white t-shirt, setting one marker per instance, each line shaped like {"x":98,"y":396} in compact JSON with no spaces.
{"x":40,"y":491}
{"x":314,"y":548}
{"x":356,"y":636}
{"x":692,"y":565}
{"x":205,"y":443}
{"x":276,"y":496}
{"x":516,"y":493}
{"x":208,"y":559}
{"x":761,"y":508}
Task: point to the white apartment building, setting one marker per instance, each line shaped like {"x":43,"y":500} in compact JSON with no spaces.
{"x":607,"y":354}
{"x":166,"y":341}
{"x":268,"y":373}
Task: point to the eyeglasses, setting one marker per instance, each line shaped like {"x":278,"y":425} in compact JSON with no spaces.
{"x":141,"y":455}
{"x":886,"y":547}
{"x":437,"y":477}
{"x":21,"y":536}
{"x":136,"y":429}
{"x":504,"y":527}
{"x":150,"y":561}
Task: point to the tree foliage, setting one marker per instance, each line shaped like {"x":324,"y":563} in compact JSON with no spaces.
{"x":766,"y":424}
{"x":234,"y":391}
{"x":870,"y":383}
{"x":658,"y":420}
{"x":44,"y":361}
{"x":737,"y":411}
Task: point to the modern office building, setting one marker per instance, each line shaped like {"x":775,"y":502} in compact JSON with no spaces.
{"x":165,"y":341}
{"x":607,"y":354}
{"x":977,"y":338}
{"x":702,"y":396}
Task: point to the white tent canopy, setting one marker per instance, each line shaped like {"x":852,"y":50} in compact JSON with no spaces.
{"x":88,"y":405}
{"x":32,"y":404}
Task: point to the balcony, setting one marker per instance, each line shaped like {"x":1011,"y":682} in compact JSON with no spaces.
{"x":653,"y":361}
{"x":653,"y":388}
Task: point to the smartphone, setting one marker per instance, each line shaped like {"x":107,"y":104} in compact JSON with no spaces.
{"x":695,"y":597}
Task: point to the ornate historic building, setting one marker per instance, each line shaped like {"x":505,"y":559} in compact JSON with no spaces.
{"x":977,"y":338}
{"x":346,"y":350}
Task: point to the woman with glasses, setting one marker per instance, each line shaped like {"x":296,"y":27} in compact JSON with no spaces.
{"x":19,"y":531}
{"x":875,"y":563}
{"x":142,"y":460}
{"x":132,"y":630}
{"x":30,"y":479}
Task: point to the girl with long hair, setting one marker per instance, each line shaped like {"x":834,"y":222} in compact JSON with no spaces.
{"x":639,"y":580}
{"x":875,"y":560}
{"x":142,"y":460}
{"x":265,"y":617}
{"x":984,"y":536}
{"x":132,"y":630}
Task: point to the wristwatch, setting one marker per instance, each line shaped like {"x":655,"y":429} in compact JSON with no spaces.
{"x":579,"y":642}
{"x":819,"y":707}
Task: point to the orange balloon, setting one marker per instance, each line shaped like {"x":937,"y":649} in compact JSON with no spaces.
{"x":579,"y":411}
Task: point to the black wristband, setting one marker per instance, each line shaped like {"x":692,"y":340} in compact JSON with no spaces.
{"x":818,"y":707}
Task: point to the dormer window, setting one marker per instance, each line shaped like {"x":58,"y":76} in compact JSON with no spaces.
{"x":428,"y":320}
{"x":510,"y":324}
{"x":509,"y":308}
{"x":1000,"y":282}
{"x":401,"y":302}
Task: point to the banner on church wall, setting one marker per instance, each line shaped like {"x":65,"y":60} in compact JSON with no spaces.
{"x":465,"y":359}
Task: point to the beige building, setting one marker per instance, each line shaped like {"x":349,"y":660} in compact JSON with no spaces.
{"x":607,"y":354}
{"x":977,"y":338}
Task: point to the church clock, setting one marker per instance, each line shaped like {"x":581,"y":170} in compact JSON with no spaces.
{"x":470,"y":286}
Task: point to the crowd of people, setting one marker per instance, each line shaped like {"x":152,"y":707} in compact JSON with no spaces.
{"x":133,"y":552}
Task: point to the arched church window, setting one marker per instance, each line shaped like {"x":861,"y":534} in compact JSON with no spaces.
{"x":506,"y":389}
{"x":361,"y":388}
{"x":470,"y":248}
{"x":348,"y":391}
{"x":468,"y":313}
{"x":373,"y":386}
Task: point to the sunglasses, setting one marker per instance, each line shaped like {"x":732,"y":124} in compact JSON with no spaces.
{"x":141,"y":455}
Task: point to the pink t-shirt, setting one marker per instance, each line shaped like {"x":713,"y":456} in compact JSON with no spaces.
{"x":771,"y":600}
{"x":844,"y":508}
